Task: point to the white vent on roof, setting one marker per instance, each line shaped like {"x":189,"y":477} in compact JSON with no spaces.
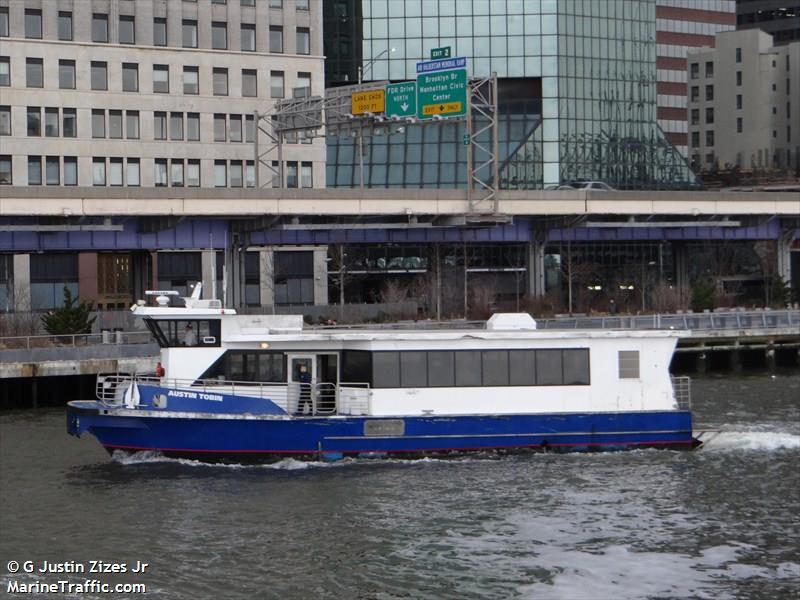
{"x":510,"y":321}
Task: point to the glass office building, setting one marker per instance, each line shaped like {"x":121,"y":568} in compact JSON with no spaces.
{"x":577,"y":90}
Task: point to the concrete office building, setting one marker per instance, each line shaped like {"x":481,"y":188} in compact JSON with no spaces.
{"x":577,"y":90}
{"x":680,"y":26}
{"x":744,"y":102}
{"x":150,"y":93}
{"x":143,"y":94}
{"x":779,"y":18}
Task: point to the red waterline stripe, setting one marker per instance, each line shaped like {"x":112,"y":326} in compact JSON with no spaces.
{"x":448,"y":449}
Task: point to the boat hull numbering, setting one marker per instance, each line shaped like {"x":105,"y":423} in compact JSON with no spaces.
{"x":261,"y":388}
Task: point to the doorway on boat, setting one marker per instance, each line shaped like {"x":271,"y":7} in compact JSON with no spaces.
{"x":313,"y":380}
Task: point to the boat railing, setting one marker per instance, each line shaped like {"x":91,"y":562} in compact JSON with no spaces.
{"x":682,"y":389}
{"x":295,"y":398}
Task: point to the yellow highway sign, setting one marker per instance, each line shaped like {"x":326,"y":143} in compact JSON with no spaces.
{"x":373,"y":101}
{"x":444,"y":108}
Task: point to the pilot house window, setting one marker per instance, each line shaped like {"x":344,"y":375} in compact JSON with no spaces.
{"x":629,"y":364}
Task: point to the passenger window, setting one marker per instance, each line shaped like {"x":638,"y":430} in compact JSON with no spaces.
{"x":576,"y":367}
{"x":386,"y":369}
{"x":522,"y":367}
{"x":548,"y":367}
{"x":495,"y":367}
{"x":441,"y":369}
{"x":629,"y":364}
{"x":468,"y":368}
{"x":413,"y":369}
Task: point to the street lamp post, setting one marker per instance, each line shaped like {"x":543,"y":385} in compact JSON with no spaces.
{"x":361,"y":72}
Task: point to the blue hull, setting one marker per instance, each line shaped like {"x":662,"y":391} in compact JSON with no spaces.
{"x":267,"y":437}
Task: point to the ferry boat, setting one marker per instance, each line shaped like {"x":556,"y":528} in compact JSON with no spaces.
{"x":237,"y":388}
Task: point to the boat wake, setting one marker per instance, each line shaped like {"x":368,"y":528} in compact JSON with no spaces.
{"x":751,"y":440}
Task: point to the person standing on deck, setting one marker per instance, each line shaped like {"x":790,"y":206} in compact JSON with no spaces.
{"x":304,"y":378}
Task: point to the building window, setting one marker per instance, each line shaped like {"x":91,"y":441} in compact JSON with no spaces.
{"x":695,"y":116}
{"x":191,"y":80}
{"x":303,"y":89}
{"x":134,"y":172}
{"x":193,"y":127}
{"x":738,"y":78}
{"x":276,"y":3}
{"x":739,"y":125}
{"x":250,"y":174}
{"x":5,"y":169}
{"x":236,"y":128}
{"x":127,"y":29}
{"x":738,"y":55}
{"x":695,"y":97}
{"x":99,"y":75}
{"x":34,"y":72}
{"x":161,"y":79}
{"x":34,"y":170}
{"x":301,"y":4}
{"x":51,"y":122}
{"x":249,"y":128}
{"x":130,"y":77}
{"x":132,"y":124}
{"x":248,"y":37}
{"x":291,"y":174}
{"x":189,"y":33}
{"x":249,"y":83}
{"x":100,"y":28}
{"x":695,"y":139}
{"x":276,"y":174}
{"x":248,"y":2}
{"x":220,"y":130}
{"x":275,"y":38}
{"x":710,"y":159}
{"x":709,"y":93}
{"x":709,"y":116}
{"x":159,"y":125}
{"x":220,"y":174}
{"x":710,"y":138}
{"x":709,"y":69}
{"x":219,"y":35}
{"x":3,"y":21}
{"x":159,"y":31}
{"x":33,"y":23}
{"x":694,"y":70}
{"x":34,"y":121}
{"x":70,"y":170}
{"x":176,"y":173}
{"x":5,"y":70}
{"x":66,"y":74}
{"x":115,"y":124}
{"x":160,"y":172}
{"x":176,"y":126}
{"x":628,"y":364}
{"x":98,"y":171}
{"x":237,"y":175}
{"x":193,"y":173}
{"x":220,"y":80}
{"x":306,"y":175}
{"x":303,"y":40}
{"x":69,"y":122}
{"x":115,"y":171}
{"x":738,"y":102}
{"x":98,"y":123}
{"x":65,"y":29}
{"x":276,"y":84}
{"x":5,"y":120}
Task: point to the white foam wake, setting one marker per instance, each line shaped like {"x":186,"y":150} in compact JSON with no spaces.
{"x":752,"y":440}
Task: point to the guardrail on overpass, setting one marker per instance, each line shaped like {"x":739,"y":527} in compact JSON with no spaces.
{"x":111,"y":202}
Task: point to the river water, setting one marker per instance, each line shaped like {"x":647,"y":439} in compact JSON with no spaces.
{"x":718,"y":523}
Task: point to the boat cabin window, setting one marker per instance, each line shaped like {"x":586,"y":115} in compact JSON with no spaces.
{"x":176,"y":333}
{"x":629,"y":364}
{"x":248,"y":365}
{"x":469,"y":368}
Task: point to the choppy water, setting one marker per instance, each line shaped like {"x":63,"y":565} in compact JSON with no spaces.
{"x":719,"y":523}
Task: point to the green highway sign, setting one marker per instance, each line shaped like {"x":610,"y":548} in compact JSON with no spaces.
{"x":443,"y":52}
{"x":441,"y":93}
{"x":401,"y":99}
